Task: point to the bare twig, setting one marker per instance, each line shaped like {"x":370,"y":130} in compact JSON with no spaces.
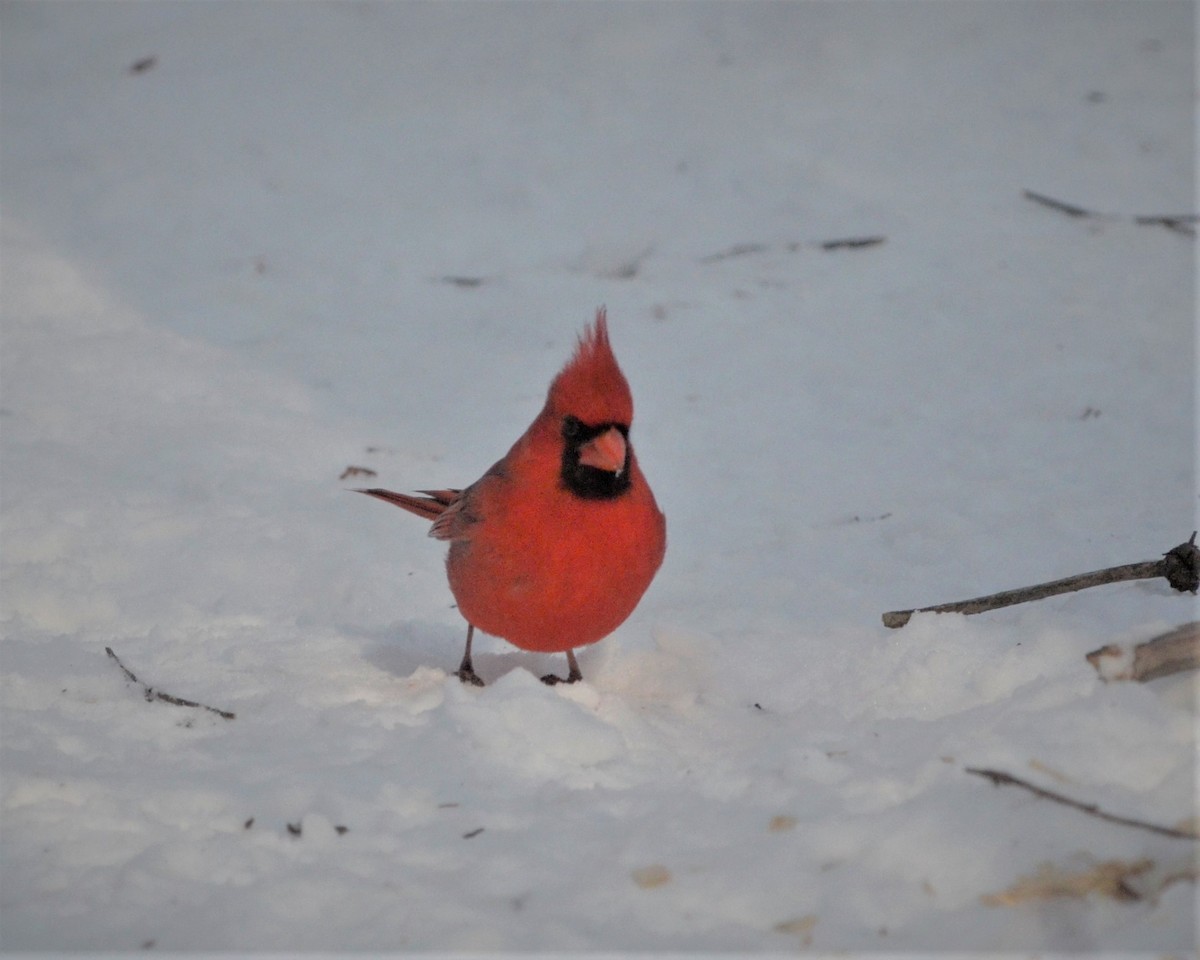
{"x":840,"y":243}
{"x":151,"y":694}
{"x":999,"y":778}
{"x":852,"y":243}
{"x":1060,"y":205}
{"x":1007,"y":598}
{"x":1180,"y":223}
{"x":737,"y":250}
{"x":1179,"y":565}
{"x":1161,"y":656}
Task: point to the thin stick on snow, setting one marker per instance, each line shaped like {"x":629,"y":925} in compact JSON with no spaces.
{"x":1060,"y":205}
{"x":1179,"y":222}
{"x":151,"y":694}
{"x":1184,"y":223}
{"x":1000,"y":779}
{"x":838,"y":243}
{"x":1179,"y":565}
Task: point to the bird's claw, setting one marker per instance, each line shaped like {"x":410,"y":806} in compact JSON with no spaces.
{"x":469,"y":676}
{"x":551,"y":679}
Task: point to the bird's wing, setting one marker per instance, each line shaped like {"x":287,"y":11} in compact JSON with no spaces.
{"x":454,"y":518}
{"x":465,"y":508}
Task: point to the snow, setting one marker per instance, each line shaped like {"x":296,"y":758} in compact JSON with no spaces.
{"x":225,"y":281}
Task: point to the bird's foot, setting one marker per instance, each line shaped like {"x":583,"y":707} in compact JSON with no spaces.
{"x":573,"y":674}
{"x":467,"y":675}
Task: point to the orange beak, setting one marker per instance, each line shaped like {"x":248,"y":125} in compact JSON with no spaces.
{"x":605,"y":452}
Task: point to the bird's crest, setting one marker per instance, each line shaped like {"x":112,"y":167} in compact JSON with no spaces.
{"x":591,"y":386}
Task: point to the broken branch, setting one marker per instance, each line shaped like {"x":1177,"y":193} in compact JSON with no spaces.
{"x":999,"y":778}
{"x":151,"y":694}
{"x":737,"y":250}
{"x":1161,"y":656}
{"x":1179,"y":565}
{"x":852,"y":243}
{"x":1179,"y":223}
{"x":840,"y":243}
{"x":1070,"y":209}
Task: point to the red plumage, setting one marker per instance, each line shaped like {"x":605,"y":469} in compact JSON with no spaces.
{"x":554,"y":546}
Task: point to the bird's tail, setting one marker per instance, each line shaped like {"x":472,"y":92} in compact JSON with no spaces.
{"x":431,"y":506}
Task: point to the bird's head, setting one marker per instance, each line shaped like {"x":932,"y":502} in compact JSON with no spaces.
{"x":591,"y":407}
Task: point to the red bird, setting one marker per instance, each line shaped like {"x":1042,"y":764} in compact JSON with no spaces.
{"x":554,"y":546}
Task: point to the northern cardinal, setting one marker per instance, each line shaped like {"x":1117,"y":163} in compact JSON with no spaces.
{"x":553,"y":547}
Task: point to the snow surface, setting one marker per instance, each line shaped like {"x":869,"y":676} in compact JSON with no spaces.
{"x":304,"y":237}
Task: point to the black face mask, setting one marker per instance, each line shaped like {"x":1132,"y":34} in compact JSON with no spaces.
{"x":591,"y":483}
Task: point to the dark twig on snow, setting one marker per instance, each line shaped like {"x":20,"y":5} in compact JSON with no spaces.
{"x":852,"y":243}
{"x":1061,"y":206}
{"x":1179,"y":565}
{"x":151,"y":694}
{"x":841,"y":243}
{"x":1000,"y":779}
{"x":1180,"y":223}
{"x":737,"y":250}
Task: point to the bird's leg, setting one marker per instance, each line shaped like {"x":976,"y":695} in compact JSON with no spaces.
{"x":573,"y":673}
{"x":466,"y":672}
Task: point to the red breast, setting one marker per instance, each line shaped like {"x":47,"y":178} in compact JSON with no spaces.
{"x":550,"y":564}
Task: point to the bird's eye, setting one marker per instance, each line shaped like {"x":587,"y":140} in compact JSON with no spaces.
{"x":572,"y":428}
